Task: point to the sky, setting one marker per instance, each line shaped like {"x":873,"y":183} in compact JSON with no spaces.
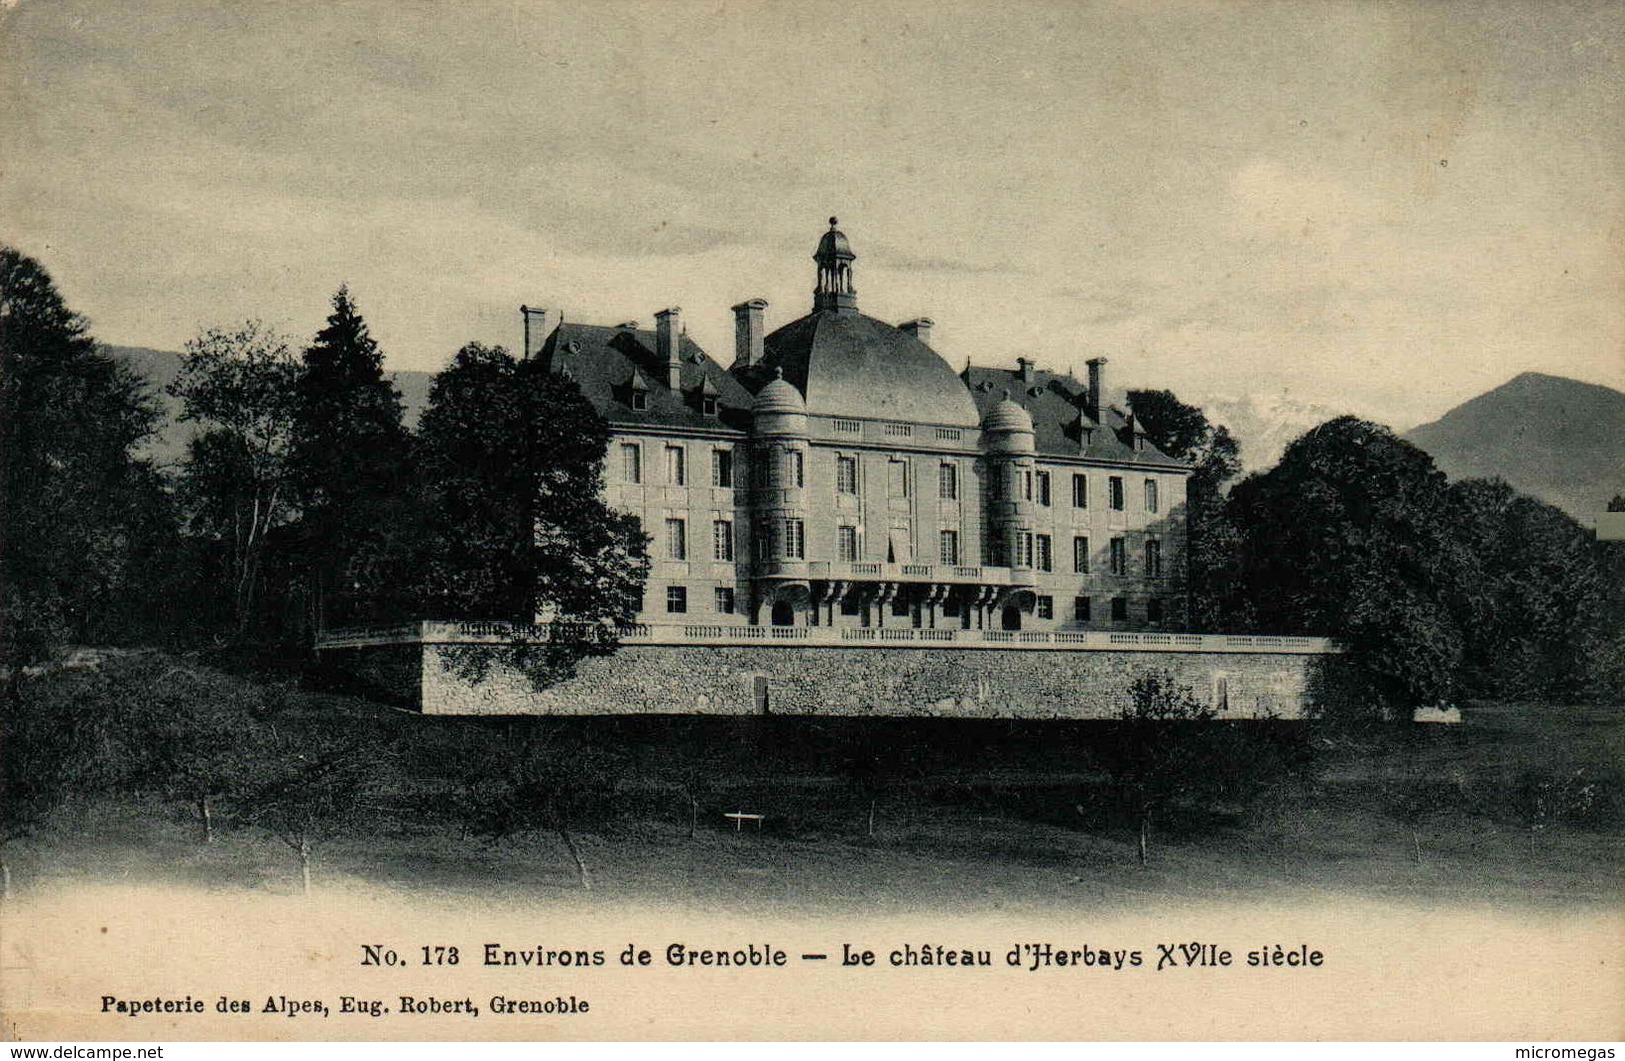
{"x":1384,"y":208}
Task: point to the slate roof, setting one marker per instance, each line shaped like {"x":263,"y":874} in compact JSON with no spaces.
{"x":850,"y":365}
{"x":1056,"y":405}
{"x":605,"y":361}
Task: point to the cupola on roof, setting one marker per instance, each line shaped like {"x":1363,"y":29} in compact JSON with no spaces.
{"x":1008,"y":416}
{"x":778,"y":397}
{"x":848,"y":365}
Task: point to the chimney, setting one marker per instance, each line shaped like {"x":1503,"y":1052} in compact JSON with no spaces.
{"x":539,"y":324}
{"x":1094,"y":403}
{"x":920,"y":328}
{"x":748,"y":332}
{"x":1026,"y":364}
{"x":668,"y":336}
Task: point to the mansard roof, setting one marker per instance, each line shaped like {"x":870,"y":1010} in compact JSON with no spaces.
{"x":1057,"y":406}
{"x":603,"y":362}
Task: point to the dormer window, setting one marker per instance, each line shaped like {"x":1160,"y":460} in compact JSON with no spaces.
{"x":708,"y":405}
{"x":637,"y":392}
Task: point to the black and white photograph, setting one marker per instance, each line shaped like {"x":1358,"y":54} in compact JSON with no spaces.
{"x":1089,"y":520}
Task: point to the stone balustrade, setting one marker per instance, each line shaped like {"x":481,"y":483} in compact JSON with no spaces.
{"x":845,"y":637}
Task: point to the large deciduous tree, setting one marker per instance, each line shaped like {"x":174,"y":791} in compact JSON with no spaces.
{"x":1348,"y":537}
{"x":1536,"y":593}
{"x":511,"y":468}
{"x":241,"y":386}
{"x":1183,"y":431}
{"x":76,"y":508}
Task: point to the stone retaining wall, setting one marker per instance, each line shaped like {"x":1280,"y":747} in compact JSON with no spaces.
{"x":867,"y":682}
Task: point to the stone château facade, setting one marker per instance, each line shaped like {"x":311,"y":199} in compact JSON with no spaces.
{"x":844,"y":526}
{"x":841,"y":474}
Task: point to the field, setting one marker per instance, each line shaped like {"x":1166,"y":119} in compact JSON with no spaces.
{"x":1520,"y":804}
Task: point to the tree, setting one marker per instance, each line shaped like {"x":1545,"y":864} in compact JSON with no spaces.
{"x":1535,"y":593}
{"x":55,"y":741}
{"x":74,"y":502}
{"x":313,"y":780}
{"x":1347,"y":537}
{"x":1183,"y":432}
{"x":1155,"y":758}
{"x":511,"y":468}
{"x":188,"y":733}
{"x":241,"y":385}
{"x":348,"y":465}
{"x":540,"y":780}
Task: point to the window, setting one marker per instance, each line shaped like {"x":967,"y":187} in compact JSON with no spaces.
{"x":796,"y":468}
{"x":1044,"y":554}
{"x":725,"y":600}
{"x":676,"y":540}
{"x":1119,"y":609}
{"x":1026,"y":485}
{"x":1024,"y":550}
{"x":846,"y":475}
{"x":795,"y":539}
{"x":722,"y":468}
{"x":1114,"y":487}
{"x":1150,"y":495}
{"x":1153,"y":559}
{"x":631,"y":462}
{"x":1080,"y":491}
{"x":948,"y":547}
{"x":1221,"y":693}
{"x":1046,"y":607}
{"x":708,"y":405}
{"x":1042,"y":479}
{"x":899,"y":478}
{"x":676,"y":468}
{"x":722,"y":540}
{"x":1119,"y":557}
{"x":1080,"y":555}
{"x":948,"y":482}
{"x":761,"y":536}
{"x":677,"y":599}
{"x":993,"y":549}
{"x":1153,"y":610}
{"x":640,"y":402}
{"x":1080,"y":609}
{"x":846,"y":539}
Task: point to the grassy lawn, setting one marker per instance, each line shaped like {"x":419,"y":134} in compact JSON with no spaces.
{"x":974,"y":841}
{"x":1522,"y":803}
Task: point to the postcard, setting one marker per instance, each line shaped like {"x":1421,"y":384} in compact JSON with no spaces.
{"x":775,"y":521}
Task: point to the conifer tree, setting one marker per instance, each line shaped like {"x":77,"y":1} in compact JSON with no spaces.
{"x":349,"y":451}
{"x":75,"y":500}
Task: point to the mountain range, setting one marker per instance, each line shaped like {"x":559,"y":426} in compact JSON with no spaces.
{"x":1554,"y":438}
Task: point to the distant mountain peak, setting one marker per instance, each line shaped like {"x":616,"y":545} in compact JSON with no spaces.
{"x":1559,"y":439}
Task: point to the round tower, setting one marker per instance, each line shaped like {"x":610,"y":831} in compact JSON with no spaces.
{"x":1009,"y":442}
{"x":778,"y":496}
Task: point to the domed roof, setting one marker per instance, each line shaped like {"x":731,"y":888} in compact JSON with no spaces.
{"x":834,"y":244}
{"x":779,"y":397}
{"x":850,"y":365}
{"x":1008,"y":416}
